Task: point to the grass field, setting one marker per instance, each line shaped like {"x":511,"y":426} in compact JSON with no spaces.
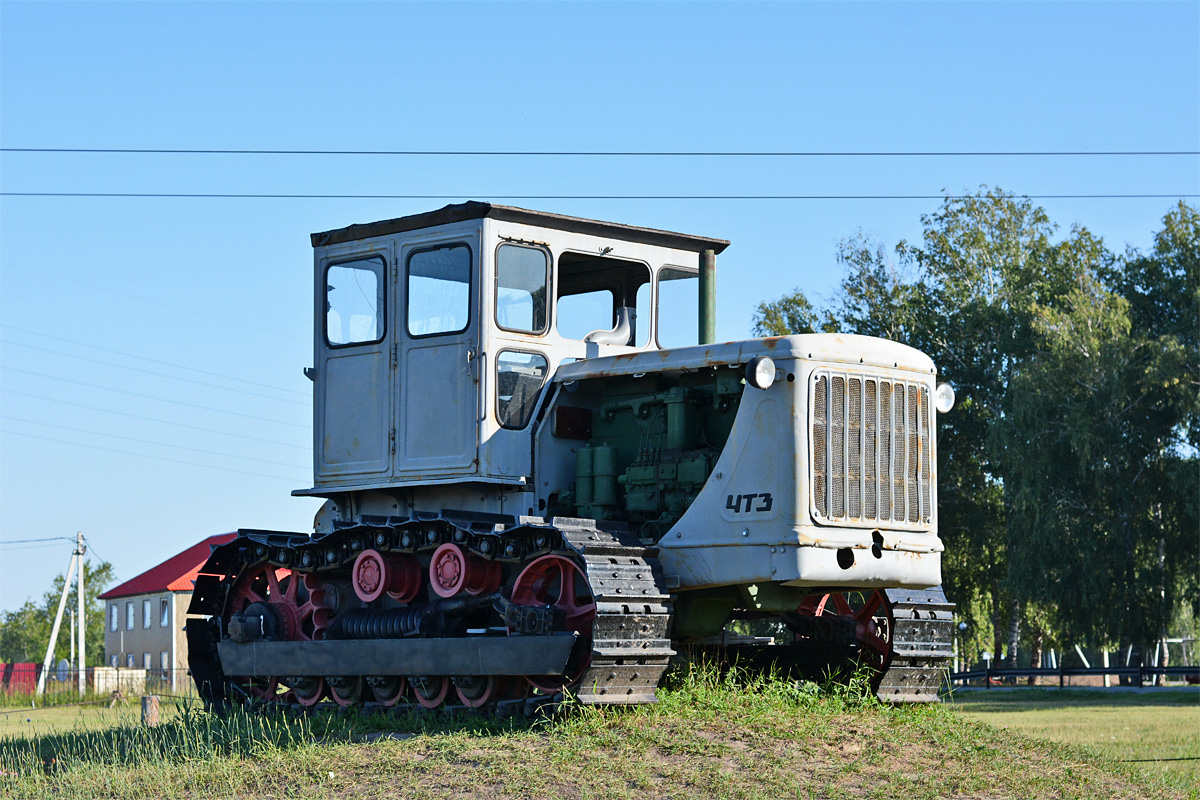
{"x":707,"y":737}
{"x":1133,"y":726}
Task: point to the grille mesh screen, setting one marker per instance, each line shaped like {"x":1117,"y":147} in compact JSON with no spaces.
{"x":871,"y":450}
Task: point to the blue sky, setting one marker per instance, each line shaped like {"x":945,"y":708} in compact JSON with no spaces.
{"x":151,"y":350}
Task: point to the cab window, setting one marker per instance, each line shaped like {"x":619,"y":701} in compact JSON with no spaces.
{"x":678,"y":307}
{"x":521,"y":277}
{"x":519,"y":379}
{"x":439,"y":290}
{"x":354,"y":302}
{"x":592,"y":292}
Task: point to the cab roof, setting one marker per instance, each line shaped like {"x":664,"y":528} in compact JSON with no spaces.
{"x":460,"y":212}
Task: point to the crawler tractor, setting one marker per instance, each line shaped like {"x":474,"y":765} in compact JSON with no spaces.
{"x":537,"y":482}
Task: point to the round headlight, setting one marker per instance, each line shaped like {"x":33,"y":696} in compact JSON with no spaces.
{"x":760,"y":372}
{"x":943,"y":398}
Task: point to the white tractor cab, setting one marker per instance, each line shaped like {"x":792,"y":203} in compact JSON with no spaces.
{"x":438,"y":333}
{"x":499,"y":364}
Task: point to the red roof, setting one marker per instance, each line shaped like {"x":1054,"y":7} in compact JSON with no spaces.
{"x":176,"y":574}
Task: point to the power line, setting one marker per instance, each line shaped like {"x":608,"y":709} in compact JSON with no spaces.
{"x":143,"y":418}
{"x":618,"y":153}
{"x":75,"y":282}
{"x":33,"y":541}
{"x":148,"y":441}
{"x":151,"y":360}
{"x":151,"y":397}
{"x":729,"y":197}
{"x":143,"y":455}
{"x":152,"y":372}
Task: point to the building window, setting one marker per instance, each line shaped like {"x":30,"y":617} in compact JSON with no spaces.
{"x":129,"y":612}
{"x":129,"y":658}
{"x":147,"y":613}
{"x":164,"y":660}
{"x":146,"y":662}
{"x":114,"y":617}
{"x":439,"y":290}
{"x":164,"y":612}
{"x":113,"y":660}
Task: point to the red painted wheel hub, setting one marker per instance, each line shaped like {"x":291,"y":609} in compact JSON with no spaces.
{"x":558,"y":581}
{"x":453,"y":570}
{"x":375,"y":573}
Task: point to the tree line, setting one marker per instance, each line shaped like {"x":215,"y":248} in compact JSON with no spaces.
{"x":1068,"y":482}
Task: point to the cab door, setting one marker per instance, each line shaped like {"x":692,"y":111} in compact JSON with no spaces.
{"x":440,"y":360}
{"x":354,"y":396}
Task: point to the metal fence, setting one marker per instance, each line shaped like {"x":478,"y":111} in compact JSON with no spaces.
{"x":1136,"y":674}
{"x":18,"y":684}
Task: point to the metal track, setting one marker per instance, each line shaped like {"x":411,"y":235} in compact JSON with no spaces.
{"x":922,"y":645}
{"x":630,"y":644}
{"x":630,"y":640}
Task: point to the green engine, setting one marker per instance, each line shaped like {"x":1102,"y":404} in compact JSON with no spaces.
{"x":654,"y":442}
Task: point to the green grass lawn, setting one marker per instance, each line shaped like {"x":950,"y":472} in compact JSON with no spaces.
{"x":61,"y":719}
{"x":1130,"y":726}
{"x":708,"y":736}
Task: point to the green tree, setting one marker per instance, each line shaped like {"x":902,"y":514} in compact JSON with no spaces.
{"x":25,"y":632}
{"x":1033,"y":457}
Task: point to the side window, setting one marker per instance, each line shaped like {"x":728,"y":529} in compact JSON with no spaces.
{"x":164,"y":612}
{"x":147,"y":615}
{"x":439,"y":290}
{"x":113,"y":617}
{"x":519,"y":378}
{"x":678,"y":307}
{"x":521,"y":277}
{"x":599,"y":294}
{"x":354,"y":310}
{"x":129,"y":617}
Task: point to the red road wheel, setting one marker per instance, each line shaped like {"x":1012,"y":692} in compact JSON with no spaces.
{"x":346,"y":690}
{"x":872,"y":619}
{"x":558,"y":581}
{"x":430,"y":691}
{"x":308,"y":690}
{"x":387,"y":690}
{"x":453,"y":570}
{"x":477,"y":690}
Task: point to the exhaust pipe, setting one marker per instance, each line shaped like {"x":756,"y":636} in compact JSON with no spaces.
{"x":708,"y":297}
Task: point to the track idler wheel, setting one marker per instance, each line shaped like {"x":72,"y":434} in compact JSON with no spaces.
{"x":869,"y":614}
{"x":453,"y":570}
{"x":557,"y":581}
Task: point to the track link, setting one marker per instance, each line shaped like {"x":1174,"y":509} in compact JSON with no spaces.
{"x":922,"y":645}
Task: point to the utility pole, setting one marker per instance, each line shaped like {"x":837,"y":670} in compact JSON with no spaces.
{"x":79,"y":551}
{"x":62,"y":603}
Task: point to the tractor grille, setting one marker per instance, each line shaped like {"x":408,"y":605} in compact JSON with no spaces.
{"x":871,"y":451}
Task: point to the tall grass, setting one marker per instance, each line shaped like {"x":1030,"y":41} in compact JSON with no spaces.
{"x":191,"y":736}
